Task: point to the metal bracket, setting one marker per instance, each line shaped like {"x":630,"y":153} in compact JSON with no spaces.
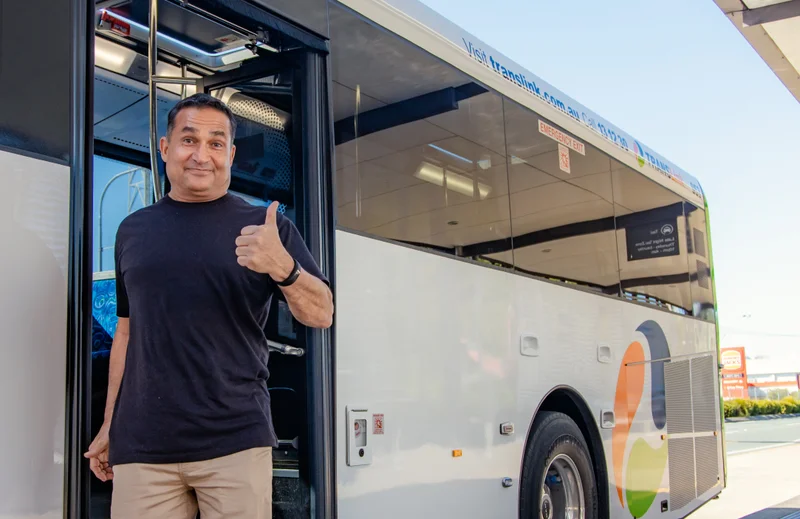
{"x":254,"y":69}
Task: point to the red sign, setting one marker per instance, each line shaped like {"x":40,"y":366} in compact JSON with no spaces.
{"x":115,"y":24}
{"x":561,"y":137}
{"x":563,"y":158}
{"x":734,"y":373}
{"x":377,"y":424}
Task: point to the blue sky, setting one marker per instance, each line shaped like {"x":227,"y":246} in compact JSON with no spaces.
{"x":680,"y":78}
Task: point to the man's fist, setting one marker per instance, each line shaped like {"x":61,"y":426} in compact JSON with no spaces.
{"x":259,"y":248}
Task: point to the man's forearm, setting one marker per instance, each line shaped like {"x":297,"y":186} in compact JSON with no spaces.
{"x":119,"y":350}
{"x":310,"y":301}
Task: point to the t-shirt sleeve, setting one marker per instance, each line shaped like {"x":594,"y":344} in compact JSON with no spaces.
{"x":296,"y":247}
{"x":123,"y":307}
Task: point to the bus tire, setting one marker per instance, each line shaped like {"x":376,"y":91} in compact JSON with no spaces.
{"x":557,"y":468}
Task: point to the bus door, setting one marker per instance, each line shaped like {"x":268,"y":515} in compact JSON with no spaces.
{"x":272,"y":75}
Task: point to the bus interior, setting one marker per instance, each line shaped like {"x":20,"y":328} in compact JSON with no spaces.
{"x":253,"y":62}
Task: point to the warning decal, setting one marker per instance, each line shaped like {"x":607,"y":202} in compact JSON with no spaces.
{"x":563,"y":158}
{"x":561,"y":137}
{"x":377,"y":424}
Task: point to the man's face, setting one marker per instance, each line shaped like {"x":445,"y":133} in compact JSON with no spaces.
{"x":198,"y":155}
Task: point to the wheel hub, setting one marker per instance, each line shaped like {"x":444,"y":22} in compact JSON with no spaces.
{"x":546,"y":508}
{"x":562,"y":490}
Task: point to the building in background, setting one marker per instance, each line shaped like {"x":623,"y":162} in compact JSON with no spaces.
{"x":768,"y":368}
{"x":773,"y":374}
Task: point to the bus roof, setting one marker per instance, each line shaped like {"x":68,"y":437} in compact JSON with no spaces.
{"x":426,"y":28}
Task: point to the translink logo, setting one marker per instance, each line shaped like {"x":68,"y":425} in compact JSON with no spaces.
{"x":644,"y":157}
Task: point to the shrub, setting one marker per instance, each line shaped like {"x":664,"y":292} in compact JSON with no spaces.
{"x":743,"y":408}
{"x":736,"y":408}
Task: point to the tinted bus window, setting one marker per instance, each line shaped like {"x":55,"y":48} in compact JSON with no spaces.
{"x":699,"y":263}
{"x":651,"y":236}
{"x":35,"y":114}
{"x":420,"y":147}
{"x":561,"y":204}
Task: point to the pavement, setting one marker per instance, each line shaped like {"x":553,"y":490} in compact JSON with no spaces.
{"x":763,"y":475}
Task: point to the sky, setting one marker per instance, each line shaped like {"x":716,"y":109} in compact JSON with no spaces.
{"x":680,"y":78}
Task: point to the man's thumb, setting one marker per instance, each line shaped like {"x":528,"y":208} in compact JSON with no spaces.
{"x":272,"y":212}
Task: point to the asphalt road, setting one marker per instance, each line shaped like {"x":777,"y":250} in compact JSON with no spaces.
{"x":752,"y":435}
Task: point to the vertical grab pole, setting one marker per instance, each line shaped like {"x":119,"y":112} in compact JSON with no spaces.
{"x":152,"y":61}
{"x":183,"y":86}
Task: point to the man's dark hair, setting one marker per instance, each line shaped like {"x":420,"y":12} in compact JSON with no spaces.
{"x":201,"y":100}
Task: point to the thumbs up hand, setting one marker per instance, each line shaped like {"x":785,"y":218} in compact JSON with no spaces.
{"x":259,"y":248}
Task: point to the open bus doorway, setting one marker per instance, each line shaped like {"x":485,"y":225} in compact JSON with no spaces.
{"x":262,"y":76}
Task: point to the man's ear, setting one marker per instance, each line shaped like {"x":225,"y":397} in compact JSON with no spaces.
{"x":163,"y":146}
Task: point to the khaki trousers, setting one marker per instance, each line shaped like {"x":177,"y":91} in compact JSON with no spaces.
{"x":238,"y":486}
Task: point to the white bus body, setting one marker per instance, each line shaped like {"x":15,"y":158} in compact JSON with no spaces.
{"x":525,"y":309}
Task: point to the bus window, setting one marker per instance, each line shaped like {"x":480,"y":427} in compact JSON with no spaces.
{"x":119,"y":189}
{"x":699,"y":258}
{"x":36,"y":114}
{"x":651,"y":236}
{"x":420,"y":150}
{"x":561,"y":205}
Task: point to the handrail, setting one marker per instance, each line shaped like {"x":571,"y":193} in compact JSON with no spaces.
{"x":130,"y":172}
{"x":152,"y":62}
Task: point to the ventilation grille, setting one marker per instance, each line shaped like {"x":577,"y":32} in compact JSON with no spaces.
{"x":706,"y":406}
{"x":707,"y":463}
{"x":678,"y":379}
{"x":692,"y":407}
{"x":681,"y":472}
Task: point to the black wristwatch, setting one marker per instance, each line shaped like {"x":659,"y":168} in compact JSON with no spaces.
{"x":292,"y":277}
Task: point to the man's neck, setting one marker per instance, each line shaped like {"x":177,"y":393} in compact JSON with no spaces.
{"x":195,"y":199}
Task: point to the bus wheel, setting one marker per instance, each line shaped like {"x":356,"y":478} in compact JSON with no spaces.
{"x":557,"y":475}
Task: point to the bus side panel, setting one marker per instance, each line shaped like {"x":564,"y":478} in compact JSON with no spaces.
{"x":430,"y":348}
{"x":665,"y":450}
{"x":425,"y":341}
{"x":34,"y":229}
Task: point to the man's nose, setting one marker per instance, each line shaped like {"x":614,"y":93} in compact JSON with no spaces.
{"x":201,"y":155}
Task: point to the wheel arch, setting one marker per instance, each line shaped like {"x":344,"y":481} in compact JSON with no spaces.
{"x":567,"y":400}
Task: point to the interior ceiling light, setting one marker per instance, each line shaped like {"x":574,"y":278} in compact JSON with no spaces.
{"x":455,"y":182}
{"x":112,"y":56}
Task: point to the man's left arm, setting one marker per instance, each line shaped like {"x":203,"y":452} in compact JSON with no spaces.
{"x":309,"y":299}
{"x":261,"y":249}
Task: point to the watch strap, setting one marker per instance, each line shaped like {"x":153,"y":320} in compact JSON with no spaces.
{"x":292,"y":277}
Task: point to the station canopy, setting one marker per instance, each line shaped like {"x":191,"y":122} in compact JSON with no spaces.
{"x":773,"y":29}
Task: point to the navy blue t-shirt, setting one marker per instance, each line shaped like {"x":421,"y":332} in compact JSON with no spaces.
{"x":195,"y":379}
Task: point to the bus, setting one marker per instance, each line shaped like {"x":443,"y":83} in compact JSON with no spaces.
{"x":525,"y":323}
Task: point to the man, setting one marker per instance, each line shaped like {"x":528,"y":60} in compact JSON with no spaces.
{"x":189,"y":423}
